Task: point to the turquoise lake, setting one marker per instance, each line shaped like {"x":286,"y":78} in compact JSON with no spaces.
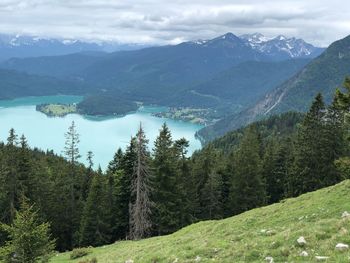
{"x":101,"y":135}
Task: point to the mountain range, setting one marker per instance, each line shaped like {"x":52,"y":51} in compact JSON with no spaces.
{"x":168,"y":75}
{"x":323,"y":74}
{"x":33,"y":46}
{"x":244,"y":78}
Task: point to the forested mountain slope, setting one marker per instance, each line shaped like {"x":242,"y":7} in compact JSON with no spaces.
{"x":15,"y":84}
{"x":323,"y":74}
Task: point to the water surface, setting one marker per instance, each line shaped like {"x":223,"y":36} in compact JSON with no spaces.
{"x":101,"y":135}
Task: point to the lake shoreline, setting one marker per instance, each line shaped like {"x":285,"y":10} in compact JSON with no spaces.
{"x":101,"y":135}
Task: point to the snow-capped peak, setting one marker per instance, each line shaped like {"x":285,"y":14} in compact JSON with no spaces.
{"x":255,"y":38}
{"x":281,"y":46}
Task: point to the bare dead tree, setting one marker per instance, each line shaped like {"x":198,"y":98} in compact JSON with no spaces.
{"x":140,"y":208}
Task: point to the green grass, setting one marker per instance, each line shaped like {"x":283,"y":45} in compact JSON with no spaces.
{"x":249,"y":237}
{"x":57,"y":110}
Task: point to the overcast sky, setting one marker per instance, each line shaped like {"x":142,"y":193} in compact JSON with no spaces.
{"x":171,"y":21}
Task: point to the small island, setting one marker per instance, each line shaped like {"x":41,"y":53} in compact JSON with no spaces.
{"x":91,"y":106}
{"x":57,"y":110}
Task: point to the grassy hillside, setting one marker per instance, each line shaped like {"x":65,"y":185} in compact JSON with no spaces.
{"x":270,"y":231}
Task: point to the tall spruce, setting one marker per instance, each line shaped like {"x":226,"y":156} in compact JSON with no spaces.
{"x":123,"y":169}
{"x":94,"y":227}
{"x":342,"y":102}
{"x":314,"y":157}
{"x":140,"y":208}
{"x":72,"y":154}
{"x":248,"y":186}
{"x":165,"y":191}
{"x":185,"y":183}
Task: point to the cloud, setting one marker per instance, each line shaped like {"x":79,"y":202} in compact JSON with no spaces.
{"x":159,"y":22}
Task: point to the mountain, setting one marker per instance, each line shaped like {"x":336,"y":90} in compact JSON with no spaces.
{"x":323,"y":74}
{"x":242,"y":85}
{"x":32,"y":46}
{"x":15,"y":84}
{"x":161,"y":75}
{"x":65,"y":66}
{"x":281,"y":47}
{"x":256,"y":236}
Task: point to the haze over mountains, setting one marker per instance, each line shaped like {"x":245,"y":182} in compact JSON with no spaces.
{"x":32,"y":46}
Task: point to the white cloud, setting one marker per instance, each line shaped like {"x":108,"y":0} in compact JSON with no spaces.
{"x":155,"y":21}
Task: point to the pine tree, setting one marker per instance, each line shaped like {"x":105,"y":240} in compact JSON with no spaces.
{"x":72,"y":154}
{"x":316,"y":150}
{"x":71,"y":149}
{"x":165,"y":192}
{"x":342,"y":102}
{"x":140,"y":208}
{"x":94,"y":227}
{"x":11,"y":178}
{"x":248,"y":187}
{"x":275,"y":171}
{"x":12,"y":138}
{"x":124,"y":174}
{"x":212,"y":196}
{"x":88,"y":176}
{"x":30,"y":241}
{"x":205,"y":172}
{"x":185,"y":183}
{"x":116,"y":163}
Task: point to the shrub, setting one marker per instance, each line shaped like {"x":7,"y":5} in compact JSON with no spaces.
{"x":79,"y":252}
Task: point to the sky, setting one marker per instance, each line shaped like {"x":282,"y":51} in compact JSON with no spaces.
{"x":319,"y":22}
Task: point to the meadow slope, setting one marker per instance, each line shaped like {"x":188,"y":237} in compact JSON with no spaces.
{"x":270,"y":231}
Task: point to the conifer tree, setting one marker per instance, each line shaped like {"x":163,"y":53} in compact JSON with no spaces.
{"x":248,"y":187}
{"x":94,"y":227}
{"x":72,"y":154}
{"x":212,"y":196}
{"x":275,"y":171}
{"x":140,"y":208}
{"x":88,"y":176}
{"x":29,"y":240}
{"x":124,"y":173}
{"x":185,"y":183}
{"x":342,"y":102}
{"x":205,"y":175}
{"x":165,"y":191}
{"x":315,"y":153}
{"x":116,"y":163}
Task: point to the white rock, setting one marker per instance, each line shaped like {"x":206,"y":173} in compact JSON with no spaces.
{"x":129,"y":261}
{"x":321,"y":258}
{"x":341,"y":246}
{"x":345,"y":214}
{"x":198,"y":258}
{"x":301,"y":241}
{"x":269,"y":259}
{"x":304,"y":254}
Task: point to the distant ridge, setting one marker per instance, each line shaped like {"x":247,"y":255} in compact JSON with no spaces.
{"x":323,"y":74}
